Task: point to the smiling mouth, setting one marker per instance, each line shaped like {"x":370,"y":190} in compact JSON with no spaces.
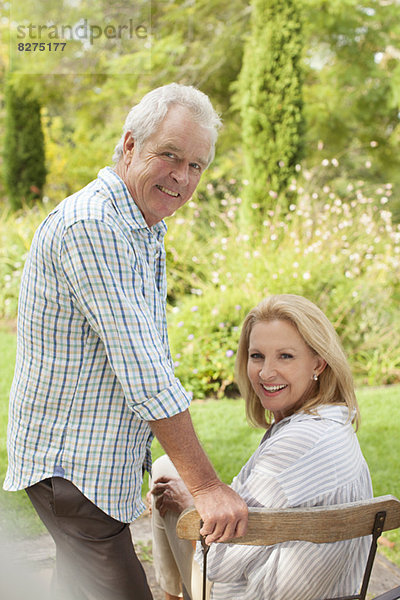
{"x":273,"y":388}
{"x":167,"y":191}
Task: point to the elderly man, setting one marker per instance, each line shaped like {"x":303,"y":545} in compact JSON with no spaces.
{"x":94,"y":378}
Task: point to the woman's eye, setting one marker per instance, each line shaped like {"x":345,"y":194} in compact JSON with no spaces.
{"x":255,"y":355}
{"x":286,"y":355}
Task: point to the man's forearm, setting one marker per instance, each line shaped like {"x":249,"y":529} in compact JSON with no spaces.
{"x":223,"y":512}
{"x":179,"y":440}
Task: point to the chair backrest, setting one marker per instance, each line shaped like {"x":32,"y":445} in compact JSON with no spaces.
{"x":320,"y":524}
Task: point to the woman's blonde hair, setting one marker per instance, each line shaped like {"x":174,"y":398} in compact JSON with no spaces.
{"x":335,"y":384}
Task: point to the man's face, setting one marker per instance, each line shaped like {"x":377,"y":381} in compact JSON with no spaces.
{"x":163,"y":175}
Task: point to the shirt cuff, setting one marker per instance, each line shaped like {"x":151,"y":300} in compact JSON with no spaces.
{"x":167,"y":403}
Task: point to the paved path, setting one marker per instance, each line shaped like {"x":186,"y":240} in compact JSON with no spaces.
{"x":36,"y":557}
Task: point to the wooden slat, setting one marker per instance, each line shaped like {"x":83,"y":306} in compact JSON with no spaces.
{"x":318,"y":524}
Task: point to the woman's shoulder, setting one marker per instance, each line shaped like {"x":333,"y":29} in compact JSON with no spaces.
{"x":305,"y":433}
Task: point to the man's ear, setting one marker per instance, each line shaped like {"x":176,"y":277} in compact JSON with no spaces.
{"x":128,"y":146}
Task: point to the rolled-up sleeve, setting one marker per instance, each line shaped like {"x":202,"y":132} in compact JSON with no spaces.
{"x":108,"y":287}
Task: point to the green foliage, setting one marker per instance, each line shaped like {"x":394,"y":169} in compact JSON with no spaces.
{"x":339,"y":248}
{"x":341,"y":251}
{"x":24,"y":162}
{"x":84,"y":112}
{"x":16,"y":232}
{"x":271,"y":107}
{"x":351,"y":90}
{"x":351,"y":83}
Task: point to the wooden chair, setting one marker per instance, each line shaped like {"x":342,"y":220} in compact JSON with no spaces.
{"x":322,"y":524}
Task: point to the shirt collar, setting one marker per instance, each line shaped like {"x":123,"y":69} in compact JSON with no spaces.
{"x":330,"y":412}
{"x":124,"y":203}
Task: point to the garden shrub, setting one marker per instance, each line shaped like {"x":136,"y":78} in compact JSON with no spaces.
{"x":342,"y":253}
{"x":24,"y":155}
{"x":340,"y":250}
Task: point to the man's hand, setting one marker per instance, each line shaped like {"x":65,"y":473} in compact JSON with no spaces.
{"x":224,"y":513}
{"x":171,"y":494}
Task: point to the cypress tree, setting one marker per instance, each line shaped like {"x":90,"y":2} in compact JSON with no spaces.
{"x":24,"y":156}
{"x":271,"y":101}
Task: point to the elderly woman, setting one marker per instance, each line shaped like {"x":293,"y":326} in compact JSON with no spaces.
{"x":297,"y":384}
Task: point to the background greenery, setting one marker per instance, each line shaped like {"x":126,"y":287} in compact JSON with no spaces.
{"x":24,"y":159}
{"x":229,"y":441}
{"x":341,"y":250}
{"x":333,"y":235}
{"x":351,"y":81}
{"x":271,"y":100}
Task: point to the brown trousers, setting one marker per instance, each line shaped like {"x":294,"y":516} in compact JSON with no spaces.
{"x":95,"y":557}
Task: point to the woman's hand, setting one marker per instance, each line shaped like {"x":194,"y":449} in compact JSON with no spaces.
{"x":171,"y":494}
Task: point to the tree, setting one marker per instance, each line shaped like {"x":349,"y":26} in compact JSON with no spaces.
{"x":271,"y":99}
{"x":24,"y":159}
{"x":352,"y":89}
{"x":196,"y":43}
{"x":351,"y":81}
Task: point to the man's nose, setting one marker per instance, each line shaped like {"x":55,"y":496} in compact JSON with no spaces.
{"x":180,"y":173}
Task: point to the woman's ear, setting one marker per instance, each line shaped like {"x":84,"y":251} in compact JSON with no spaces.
{"x":320,"y":366}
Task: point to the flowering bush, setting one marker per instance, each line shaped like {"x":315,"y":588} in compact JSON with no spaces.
{"x":339,"y":247}
{"x":342,"y":252}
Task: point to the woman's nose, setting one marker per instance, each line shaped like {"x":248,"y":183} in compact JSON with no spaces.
{"x":267,"y":370}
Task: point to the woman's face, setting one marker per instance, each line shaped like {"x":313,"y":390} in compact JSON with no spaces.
{"x":281,"y":366}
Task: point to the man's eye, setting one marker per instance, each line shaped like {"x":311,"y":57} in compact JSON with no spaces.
{"x":195,"y":166}
{"x":169,"y":154}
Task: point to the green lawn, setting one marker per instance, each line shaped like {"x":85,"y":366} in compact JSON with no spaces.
{"x":229,"y":441}
{"x":16,"y":512}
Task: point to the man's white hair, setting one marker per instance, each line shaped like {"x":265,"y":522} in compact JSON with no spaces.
{"x":144,"y":118}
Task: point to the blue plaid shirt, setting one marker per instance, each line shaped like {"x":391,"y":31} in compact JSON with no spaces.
{"x":93,"y":362}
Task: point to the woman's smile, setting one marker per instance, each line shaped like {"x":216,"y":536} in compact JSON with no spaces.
{"x":273,"y":389}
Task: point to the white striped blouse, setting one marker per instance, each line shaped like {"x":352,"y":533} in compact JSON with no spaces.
{"x":307,"y":460}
